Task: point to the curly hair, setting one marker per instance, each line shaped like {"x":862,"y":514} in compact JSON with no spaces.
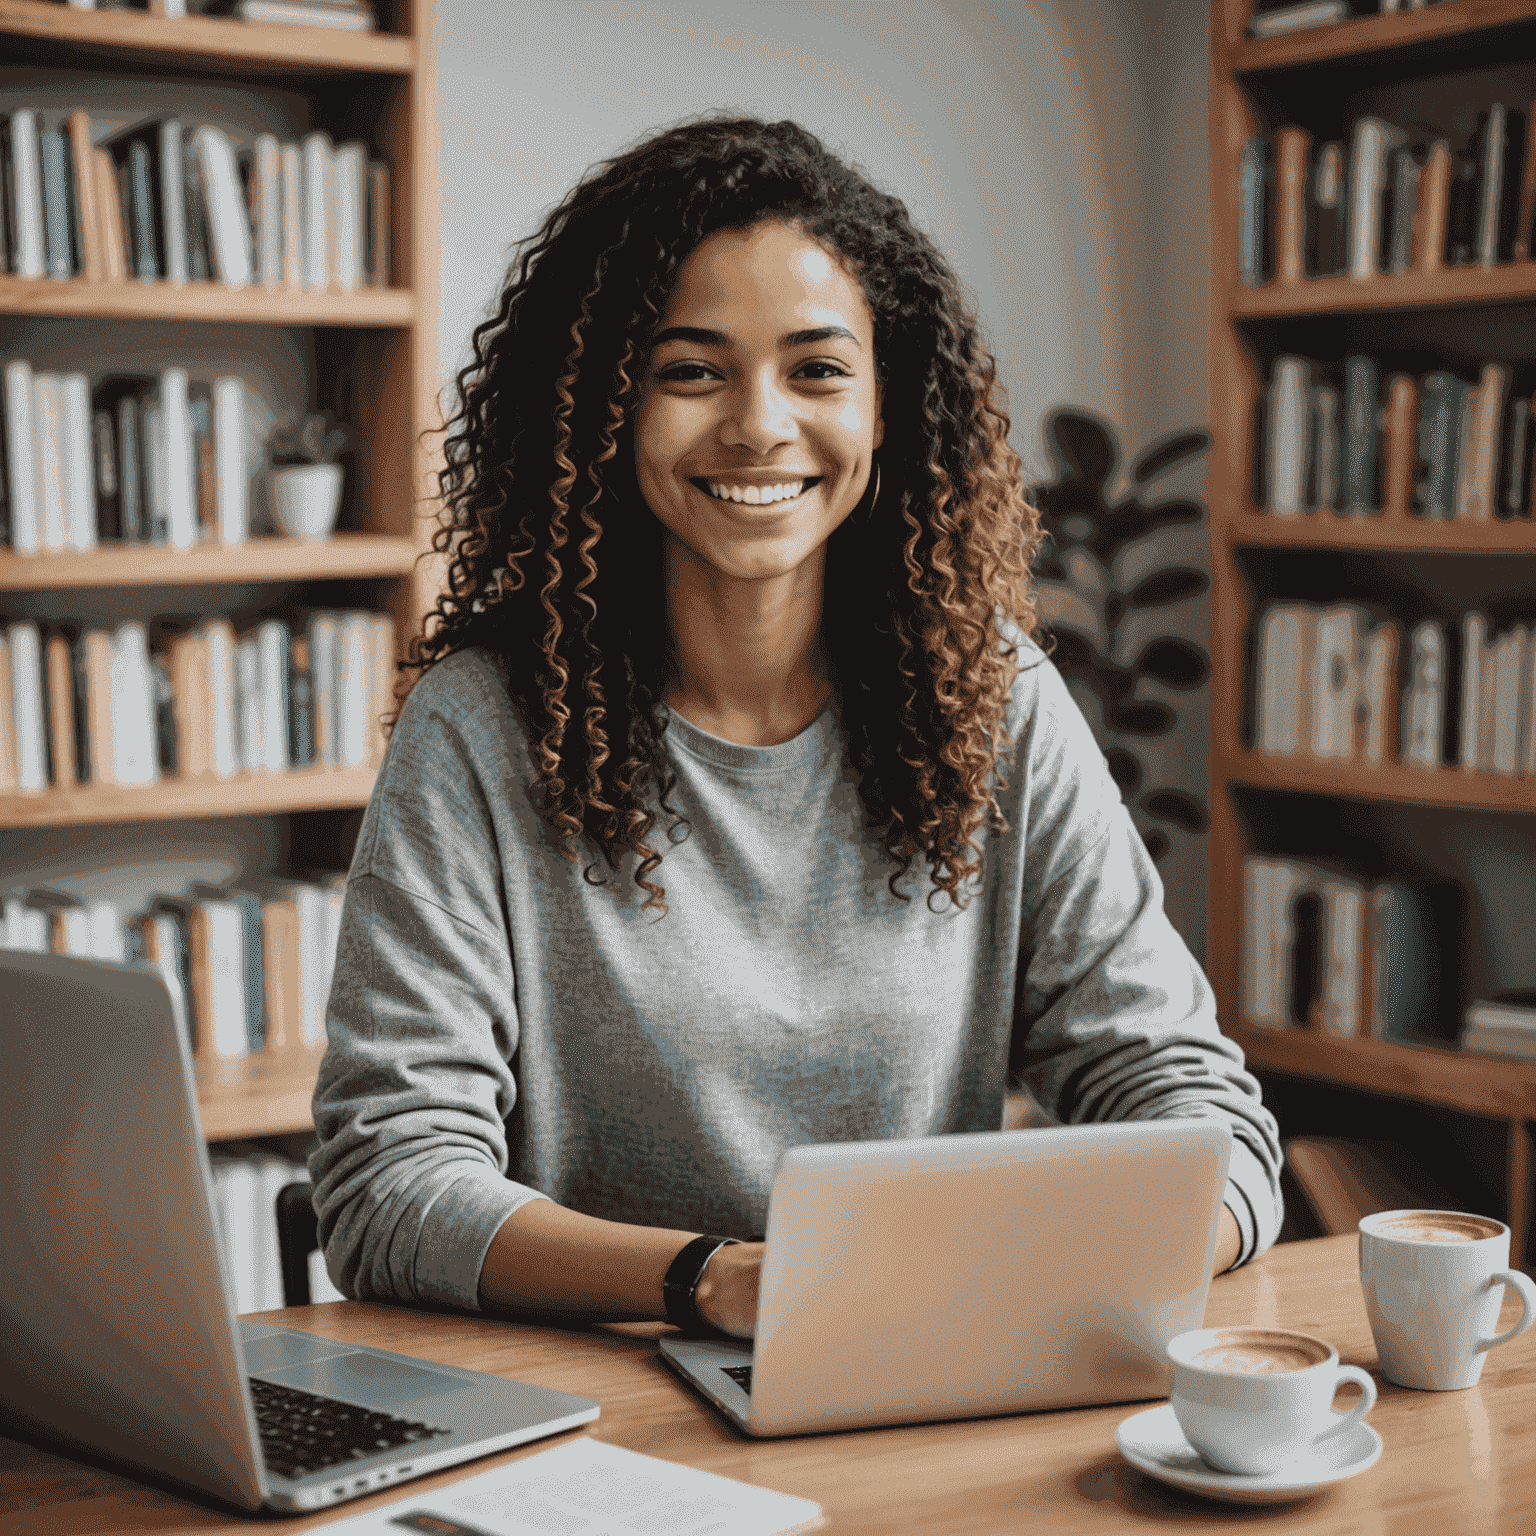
{"x":554,"y":561}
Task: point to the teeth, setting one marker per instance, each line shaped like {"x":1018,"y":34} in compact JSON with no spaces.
{"x":756,"y":495}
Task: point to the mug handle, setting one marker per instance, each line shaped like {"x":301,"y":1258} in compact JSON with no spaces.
{"x":1367,"y":1398}
{"x":1527,"y":1293}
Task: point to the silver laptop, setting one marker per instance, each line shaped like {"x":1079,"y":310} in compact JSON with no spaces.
{"x":960,"y":1276}
{"x":120,"y":1339}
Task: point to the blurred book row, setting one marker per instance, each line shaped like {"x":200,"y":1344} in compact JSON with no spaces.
{"x":1502,"y":1025}
{"x":1439,"y":447}
{"x":191,"y":698}
{"x":139,"y":458}
{"x":1325,"y":950}
{"x":249,"y":964}
{"x":1340,"y":681}
{"x":183,"y":202}
{"x":246,"y":1183}
{"x":345,"y":15}
{"x":1275,"y":18}
{"x":1389,"y":200}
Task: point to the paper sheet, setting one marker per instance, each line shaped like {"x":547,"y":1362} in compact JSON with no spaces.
{"x":589,"y":1488}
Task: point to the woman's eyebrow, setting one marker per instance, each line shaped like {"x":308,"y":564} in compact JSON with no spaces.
{"x":701,"y":337}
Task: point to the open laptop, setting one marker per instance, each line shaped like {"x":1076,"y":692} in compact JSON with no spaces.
{"x":960,"y":1276}
{"x":120,"y":1339}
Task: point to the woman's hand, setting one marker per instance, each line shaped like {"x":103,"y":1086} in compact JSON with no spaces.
{"x":726,"y":1294}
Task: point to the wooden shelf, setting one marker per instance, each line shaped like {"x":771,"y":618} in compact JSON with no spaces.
{"x":270,"y":794}
{"x":40,"y":33}
{"x":1380,"y":781}
{"x":75,"y":298}
{"x":257,"y":1095}
{"x":1408,"y":535}
{"x":1512,"y":283}
{"x":1442,"y":1075}
{"x":342,"y":557}
{"x":1416,"y":31}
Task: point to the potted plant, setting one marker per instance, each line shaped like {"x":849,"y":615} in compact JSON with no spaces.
{"x":306,"y":479}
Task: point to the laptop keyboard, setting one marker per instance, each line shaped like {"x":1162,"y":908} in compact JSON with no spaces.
{"x":302,"y":1432}
{"x":741,"y":1375}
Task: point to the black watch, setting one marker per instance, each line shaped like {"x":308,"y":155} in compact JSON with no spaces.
{"x":682,"y":1280}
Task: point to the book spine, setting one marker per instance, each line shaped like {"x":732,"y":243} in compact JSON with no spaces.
{"x":80,"y":711}
{"x":48,"y":459}
{"x":1516,"y":451}
{"x":1439,"y":418}
{"x":1432,"y":209}
{"x":173,"y":208}
{"x":88,"y":214}
{"x":291,"y":176}
{"x":1325,"y":448}
{"x":1525,"y":208}
{"x":378,"y":224}
{"x":231,"y":477}
{"x":10,"y":780}
{"x":1362,"y":403}
{"x":1252,"y":175}
{"x":60,"y":258}
{"x":301,"y":705}
{"x":1400,"y":446}
{"x":176,"y":430}
{"x":109,"y":508}
{"x":30,"y":718}
{"x":226,"y":208}
{"x":79,"y":473}
{"x":21,"y":459}
{"x":1405,"y":186}
{"x":27,"y":175}
{"x":1475,"y":483}
{"x":97,"y":644}
{"x":1288,"y":412}
{"x":269,"y":211}
{"x":59,"y":681}
{"x":272,"y":692}
{"x":247,"y":707}
{"x":1474,"y":633}
{"x":1373,"y":141}
{"x":314,"y":222}
{"x":219,"y":636}
{"x":1491,"y":193}
{"x":145,"y":205}
{"x":350,"y":162}
{"x":134,"y":705}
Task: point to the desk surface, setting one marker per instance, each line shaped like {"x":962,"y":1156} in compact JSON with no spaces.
{"x":1454,"y":1461}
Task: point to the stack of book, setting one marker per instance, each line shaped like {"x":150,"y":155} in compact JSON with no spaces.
{"x":1326,"y":950}
{"x":141,"y":458}
{"x":1502,"y":1025}
{"x":1275,"y":18}
{"x":249,"y":964}
{"x":1388,"y":200}
{"x":1332,"y":681}
{"x":181,"y":202}
{"x":345,"y":15}
{"x":1439,"y":447}
{"x":191,"y":698}
{"x":246,"y":1182}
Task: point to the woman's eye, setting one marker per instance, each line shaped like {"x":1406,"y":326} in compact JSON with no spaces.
{"x":820,"y":370}
{"x":685,"y":373}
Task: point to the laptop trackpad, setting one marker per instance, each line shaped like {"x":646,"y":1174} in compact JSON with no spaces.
{"x":272,"y":1351}
{"x":366,"y":1379}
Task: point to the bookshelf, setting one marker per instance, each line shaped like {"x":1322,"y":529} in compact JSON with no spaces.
{"x":370,"y":355}
{"x":1319,"y":80}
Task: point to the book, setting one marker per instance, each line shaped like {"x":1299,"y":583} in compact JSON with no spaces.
{"x":1343,"y":902}
{"x":269,"y":211}
{"x":48,"y":451}
{"x":104,"y":471}
{"x":1511,"y":183}
{"x":1292,"y":153}
{"x":1373,"y":141}
{"x":59,"y":693}
{"x":1440,"y":401}
{"x":1362,"y":408}
{"x":1464,"y":198}
{"x":200,"y":262}
{"x":176,"y":439}
{"x":227,"y":217}
{"x":1414,"y":944}
{"x":22,"y":490}
{"x":1335,"y":681}
{"x":136,"y":757}
{"x":1423,"y":707}
{"x":377,"y":259}
{"x":96,"y":647}
{"x":1380,"y":698}
{"x":218,"y":638}
{"x":120,"y":398}
{"x":1400,"y":446}
{"x":1404,"y":184}
{"x":204,"y":471}
{"x":58,"y":194}
{"x":1431,"y":209}
{"x":1287,"y":416}
{"x":1476,"y":465}
{"x":1491,"y":184}
{"x":1301,"y":16}
{"x":9,"y":781}
{"x":1512,"y":1012}
{"x":26,"y":166}
{"x":171,"y":184}
{"x":79,"y":704}
{"x":1323,"y":482}
{"x":282,"y":994}
{"x":344,"y":15}
{"x":291,"y":176}
{"x":1515,"y":453}
{"x":83,"y":185}
{"x":353,"y":690}
{"x":109,"y":217}
{"x":315,"y":220}
{"x":24,"y":642}
{"x":136,"y":156}
{"x":322,"y":650}
{"x":350,"y":166}
{"x":215,"y":942}
{"x":1326,"y":248}
{"x":1255,"y":173}
{"x":231,"y":475}
{"x":1474,"y":635}
{"x":78,"y":470}
{"x":1508,"y":660}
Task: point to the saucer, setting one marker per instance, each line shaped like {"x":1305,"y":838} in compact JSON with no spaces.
{"x":1153,"y":1442}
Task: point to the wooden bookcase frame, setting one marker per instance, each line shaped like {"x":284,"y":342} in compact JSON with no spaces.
{"x":388,"y":336}
{"x":1243,"y":72}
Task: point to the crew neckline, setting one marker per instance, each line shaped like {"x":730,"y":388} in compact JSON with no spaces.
{"x":809,"y":744}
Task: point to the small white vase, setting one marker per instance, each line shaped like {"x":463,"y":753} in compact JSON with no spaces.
{"x":306,"y":499}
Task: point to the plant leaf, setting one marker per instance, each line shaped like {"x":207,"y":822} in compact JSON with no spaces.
{"x":1173,"y":805}
{"x":1082,"y":444}
{"x":1165,"y":454}
{"x":1174,"y":663}
{"x":1173,"y":585}
{"x":1142,"y":717}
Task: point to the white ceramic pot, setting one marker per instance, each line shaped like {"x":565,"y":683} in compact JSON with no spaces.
{"x":306,"y":499}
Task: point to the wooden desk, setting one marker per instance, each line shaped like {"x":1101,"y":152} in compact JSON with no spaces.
{"x":1455,"y":1462}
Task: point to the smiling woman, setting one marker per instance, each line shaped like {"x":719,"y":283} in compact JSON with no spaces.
{"x":737,"y":549}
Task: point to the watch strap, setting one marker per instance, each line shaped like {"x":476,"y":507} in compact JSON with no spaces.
{"x":682,"y":1280}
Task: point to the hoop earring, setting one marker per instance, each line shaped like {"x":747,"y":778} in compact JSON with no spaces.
{"x":869,"y":511}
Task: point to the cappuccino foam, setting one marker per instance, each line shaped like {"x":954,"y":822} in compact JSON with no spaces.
{"x":1439,"y":1227}
{"x":1259,"y":1352}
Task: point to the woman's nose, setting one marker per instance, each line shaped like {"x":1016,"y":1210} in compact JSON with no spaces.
{"x":761,"y":416}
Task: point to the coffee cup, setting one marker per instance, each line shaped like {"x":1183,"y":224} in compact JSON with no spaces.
{"x":1249,"y":1400}
{"x":1433,"y":1282}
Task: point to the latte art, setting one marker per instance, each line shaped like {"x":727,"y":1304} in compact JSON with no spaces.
{"x":1254,"y":1359}
{"x":1439,"y":1227}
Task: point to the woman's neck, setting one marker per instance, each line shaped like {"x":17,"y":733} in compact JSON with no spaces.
{"x":749,"y":662}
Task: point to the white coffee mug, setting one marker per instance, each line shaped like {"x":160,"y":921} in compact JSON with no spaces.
{"x":1244,"y":1416}
{"x":1433,"y":1283}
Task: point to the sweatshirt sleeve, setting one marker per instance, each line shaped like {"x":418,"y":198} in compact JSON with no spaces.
{"x":415,"y":1083}
{"x":1117,"y":1020}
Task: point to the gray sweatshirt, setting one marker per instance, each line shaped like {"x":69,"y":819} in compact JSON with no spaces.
{"x":500,"y":1029}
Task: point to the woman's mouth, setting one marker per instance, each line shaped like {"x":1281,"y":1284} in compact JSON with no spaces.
{"x":753,"y":495}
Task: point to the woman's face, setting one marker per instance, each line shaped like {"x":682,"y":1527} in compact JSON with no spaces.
{"x":759,"y":412}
